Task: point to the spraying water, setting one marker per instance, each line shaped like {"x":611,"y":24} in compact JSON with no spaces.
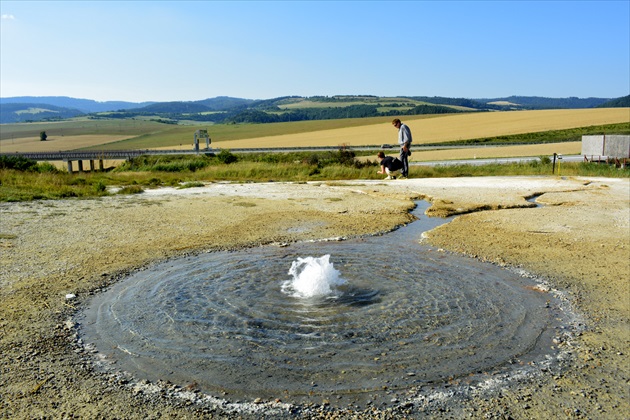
{"x":313,"y":277}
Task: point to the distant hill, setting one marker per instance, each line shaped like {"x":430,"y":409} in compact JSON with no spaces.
{"x":224,"y":103}
{"x":224,"y":109}
{"x":85,"y":105}
{"x":463,"y":102}
{"x":25,"y":112}
{"x":174,"y":108}
{"x":537,"y":102}
{"x":623,"y":102}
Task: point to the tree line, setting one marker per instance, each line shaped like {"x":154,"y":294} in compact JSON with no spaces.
{"x":274,"y":115}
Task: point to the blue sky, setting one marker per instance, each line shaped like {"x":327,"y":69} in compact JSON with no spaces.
{"x":192,"y":50}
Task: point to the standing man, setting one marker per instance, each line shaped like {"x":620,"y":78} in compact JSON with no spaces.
{"x":404,"y":141}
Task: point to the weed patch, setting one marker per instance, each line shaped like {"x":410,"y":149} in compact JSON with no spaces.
{"x":131,"y":189}
{"x":191,"y":185}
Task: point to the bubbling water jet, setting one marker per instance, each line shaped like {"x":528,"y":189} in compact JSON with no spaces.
{"x":313,"y":277}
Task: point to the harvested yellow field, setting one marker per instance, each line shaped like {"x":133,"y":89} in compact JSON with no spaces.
{"x":57,"y":143}
{"x":445,"y":128}
{"x":470,"y":126}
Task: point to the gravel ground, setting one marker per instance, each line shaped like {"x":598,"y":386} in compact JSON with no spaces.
{"x":579,"y":242}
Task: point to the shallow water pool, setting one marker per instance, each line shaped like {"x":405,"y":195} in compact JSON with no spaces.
{"x":398,"y":315}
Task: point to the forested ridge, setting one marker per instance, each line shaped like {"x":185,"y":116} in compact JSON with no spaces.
{"x":230,"y":110}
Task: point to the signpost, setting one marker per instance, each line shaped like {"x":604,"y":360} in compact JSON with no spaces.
{"x":201,"y":134}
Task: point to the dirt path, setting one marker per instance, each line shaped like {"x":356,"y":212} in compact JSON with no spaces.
{"x":579,"y":241}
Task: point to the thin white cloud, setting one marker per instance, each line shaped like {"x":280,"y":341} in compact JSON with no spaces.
{"x":8,"y":17}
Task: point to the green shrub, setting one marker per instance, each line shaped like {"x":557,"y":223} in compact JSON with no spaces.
{"x":66,"y":192}
{"x":78,"y":181}
{"x":358,"y":164}
{"x":312,"y":160}
{"x":346,"y":157}
{"x":227,"y":157}
{"x":154,"y":182}
{"x":18,"y":163}
{"x":45,"y":167}
{"x":273,"y":158}
{"x":100,"y":187}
